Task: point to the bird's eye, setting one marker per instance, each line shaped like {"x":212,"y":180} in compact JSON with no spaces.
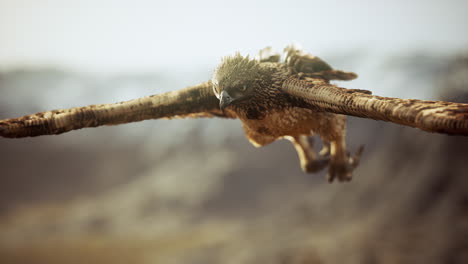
{"x":243,"y":88}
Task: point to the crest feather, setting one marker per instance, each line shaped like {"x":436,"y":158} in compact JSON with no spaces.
{"x":236,"y":67}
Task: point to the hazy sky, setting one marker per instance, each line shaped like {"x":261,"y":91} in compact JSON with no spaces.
{"x":137,"y":35}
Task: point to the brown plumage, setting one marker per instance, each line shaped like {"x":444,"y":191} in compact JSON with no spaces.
{"x":195,"y":101}
{"x":292,"y":99}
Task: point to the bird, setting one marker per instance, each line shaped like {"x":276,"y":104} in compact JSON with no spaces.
{"x":275,"y":96}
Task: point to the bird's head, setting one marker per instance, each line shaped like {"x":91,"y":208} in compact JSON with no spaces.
{"x":236,"y":79}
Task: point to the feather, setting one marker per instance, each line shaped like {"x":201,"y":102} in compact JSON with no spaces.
{"x":433,"y":116}
{"x":194,"y":101}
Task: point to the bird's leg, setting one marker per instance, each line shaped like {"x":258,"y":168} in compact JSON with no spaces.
{"x":342,"y":163}
{"x":325,"y":151}
{"x":310,"y":162}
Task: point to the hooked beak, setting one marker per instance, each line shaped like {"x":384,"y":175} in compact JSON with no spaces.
{"x":225,"y":100}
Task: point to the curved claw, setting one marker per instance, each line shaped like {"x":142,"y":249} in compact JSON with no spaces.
{"x":315,"y":165}
{"x":325,"y":151}
{"x":319,"y":163}
{"x":343,"y":168}
{"x":354,"y":160}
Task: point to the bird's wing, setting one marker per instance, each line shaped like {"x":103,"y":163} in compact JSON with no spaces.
{"x":194,"y":101}
{"x":312,"y":66}
{"x":432,"y":116}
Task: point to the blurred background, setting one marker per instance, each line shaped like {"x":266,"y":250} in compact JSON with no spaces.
{"x":195,"y":191}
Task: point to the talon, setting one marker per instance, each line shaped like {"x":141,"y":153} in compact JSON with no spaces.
{"x":354,"y":161}
{"x":348,"y":177}
{"x":343,"y":168}
{"x":315,"y":165}
{"x":325,"y":151}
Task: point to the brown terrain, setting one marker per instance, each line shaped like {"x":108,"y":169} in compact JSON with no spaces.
{"x":195,"y":191}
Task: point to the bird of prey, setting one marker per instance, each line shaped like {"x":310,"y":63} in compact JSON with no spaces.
{"x":275,"y":98}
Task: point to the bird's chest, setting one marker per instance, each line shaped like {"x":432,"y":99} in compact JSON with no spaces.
{"x":282,"y":122}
